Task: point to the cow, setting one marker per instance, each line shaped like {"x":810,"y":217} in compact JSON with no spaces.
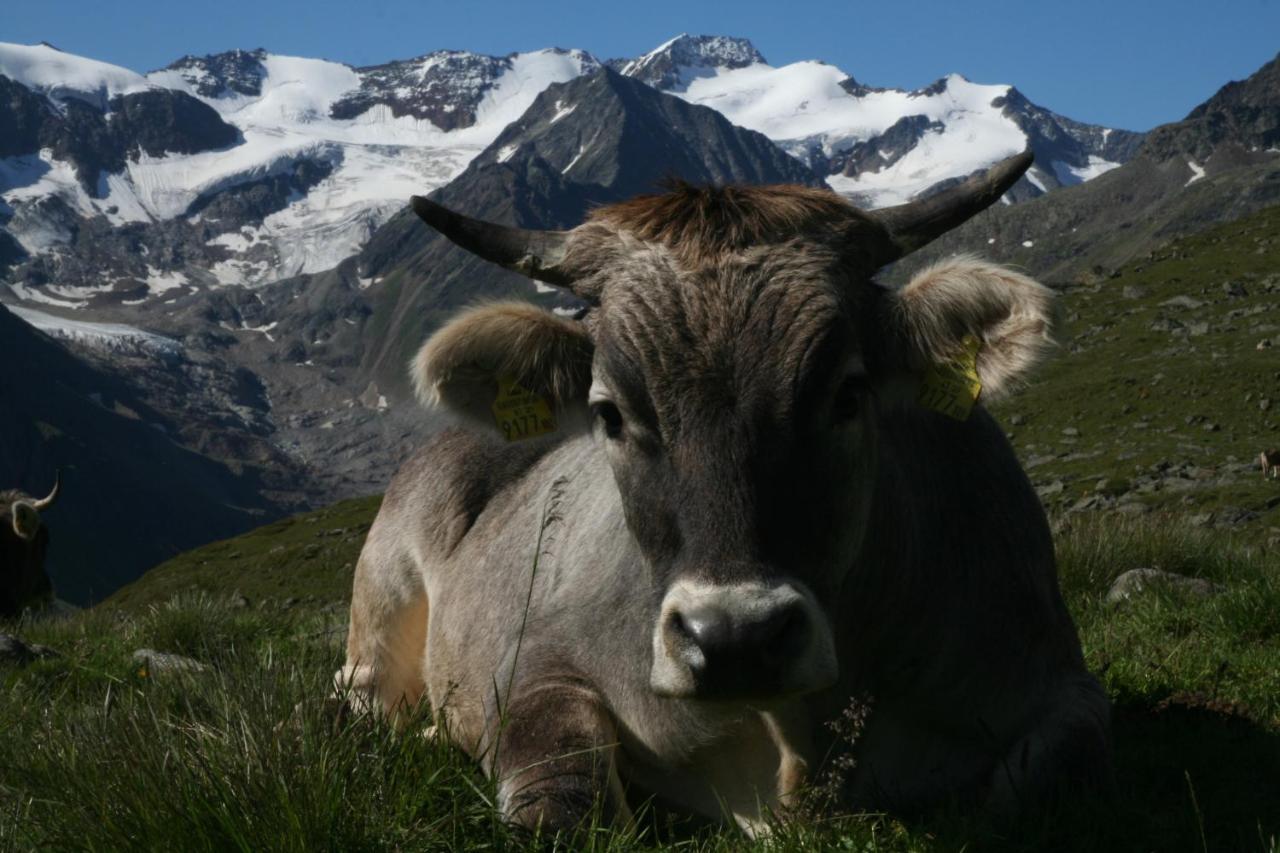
{"x":726,"y":520}
{"x":1270,"y":461}
{"x":23,"y":543}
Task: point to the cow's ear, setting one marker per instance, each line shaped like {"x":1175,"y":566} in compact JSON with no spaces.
{"x":964,"y":317}
{"x":26,"y":521}
{"x":512,"y":349}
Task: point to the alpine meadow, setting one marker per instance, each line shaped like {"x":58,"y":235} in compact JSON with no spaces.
{"x":675,"y":451}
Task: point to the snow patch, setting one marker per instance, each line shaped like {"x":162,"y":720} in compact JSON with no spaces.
{"x":1197,"y":172}
{"x":159,"y":281}
{"x":562,"y":111}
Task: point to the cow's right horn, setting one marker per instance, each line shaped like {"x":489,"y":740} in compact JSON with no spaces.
{"x":47,"y":501}
{"x":916,"y":223}
{"x":537,"y":254}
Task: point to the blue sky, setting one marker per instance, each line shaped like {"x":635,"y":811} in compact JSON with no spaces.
{"x":1123,"y":63}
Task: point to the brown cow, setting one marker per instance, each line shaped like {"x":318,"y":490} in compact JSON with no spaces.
{"x":23,"y":542}
{"x":1270,"y":461}
{"x":729,"y":519}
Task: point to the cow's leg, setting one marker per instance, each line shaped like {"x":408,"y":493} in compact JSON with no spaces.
{"x":1070,"y":746}
{"x":387,"y":638}
{"x":555,"y":757}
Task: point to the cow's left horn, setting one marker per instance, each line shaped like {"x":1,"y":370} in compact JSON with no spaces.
{"x":916,"y":223}
{"x":47,"y":501}
{"x":537,"y":254}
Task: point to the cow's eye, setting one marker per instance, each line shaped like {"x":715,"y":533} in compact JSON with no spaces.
{"x":848,"y":398}
{"x":610,"y":417}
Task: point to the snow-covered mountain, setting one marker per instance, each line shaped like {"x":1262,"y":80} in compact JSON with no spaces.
{"x":247,"y":167}
{"x":881,"y":146}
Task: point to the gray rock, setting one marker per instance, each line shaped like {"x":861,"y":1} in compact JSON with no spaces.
{"x":18,"y":652}
{"x":1136,"y":581}
{"x":161,"y":662}
{"x":1071,"y":431}
{"x":1050,"y":489}
{"x":1133,"y":291}
{"x":1182,"y":302}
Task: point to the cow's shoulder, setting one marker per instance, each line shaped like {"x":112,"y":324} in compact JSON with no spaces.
{"x":443,"y":487}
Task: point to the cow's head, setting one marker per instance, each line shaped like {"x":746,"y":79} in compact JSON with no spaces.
{"x":732,"y":363}
{"x":23,"y":542}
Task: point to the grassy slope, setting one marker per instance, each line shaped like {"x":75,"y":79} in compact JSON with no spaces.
{"x":310,"y":557}
{"x":95,"y":754}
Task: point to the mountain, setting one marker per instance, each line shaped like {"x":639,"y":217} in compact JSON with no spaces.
{"x":1218,"y":164}
{"x":248,"y":167}
{"x":882,"y":146}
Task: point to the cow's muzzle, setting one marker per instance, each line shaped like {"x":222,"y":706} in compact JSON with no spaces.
{"x":740,"y":641}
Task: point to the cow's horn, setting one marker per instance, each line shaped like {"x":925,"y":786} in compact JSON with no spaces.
{"x":537,"y":254}
{"x":47,"y":501}
{"x":916,"y":223}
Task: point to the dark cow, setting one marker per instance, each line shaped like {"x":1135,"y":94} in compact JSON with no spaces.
{"x":756,"y":485}
{"x":23,"y":542}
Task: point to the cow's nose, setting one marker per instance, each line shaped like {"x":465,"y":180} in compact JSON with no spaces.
{"x":715,"y":638}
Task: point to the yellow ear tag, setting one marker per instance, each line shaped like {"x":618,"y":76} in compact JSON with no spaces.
{"x":519,"y":412}
{"x":953,"y":388}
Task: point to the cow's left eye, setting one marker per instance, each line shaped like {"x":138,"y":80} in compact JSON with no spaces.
{"x":848,"y":399}
{"x":611,"y":417}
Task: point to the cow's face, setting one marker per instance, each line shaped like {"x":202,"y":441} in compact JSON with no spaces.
{"x":735,"y":395}
{"x":733,"y":405}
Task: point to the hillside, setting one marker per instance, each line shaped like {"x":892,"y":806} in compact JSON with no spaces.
{"x":1167,"y":385}
{"x":307,"y":559}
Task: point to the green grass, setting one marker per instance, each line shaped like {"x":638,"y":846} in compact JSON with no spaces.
{"x":96,"y":754}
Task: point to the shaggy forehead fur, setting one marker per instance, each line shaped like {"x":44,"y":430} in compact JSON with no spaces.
{"x":702,"y":223}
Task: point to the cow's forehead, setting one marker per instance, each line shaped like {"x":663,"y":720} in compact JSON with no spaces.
{"x":755,"y":319}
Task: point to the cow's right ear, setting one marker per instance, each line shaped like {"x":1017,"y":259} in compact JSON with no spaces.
{"x":26,"y":521}
{"x":479,"y":354}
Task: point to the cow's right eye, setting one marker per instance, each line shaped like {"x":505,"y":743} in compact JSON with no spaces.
{"x":611,"y":418}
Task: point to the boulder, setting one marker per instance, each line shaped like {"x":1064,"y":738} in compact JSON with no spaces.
{"x":162,"y":662}
{"x":1136,"y":581}
{"x":18,"y":652}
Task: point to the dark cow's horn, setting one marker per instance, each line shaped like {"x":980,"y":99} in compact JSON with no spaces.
{"x":916,"y":223}
{"x":537,"y":254}
{"x":46,"y":502}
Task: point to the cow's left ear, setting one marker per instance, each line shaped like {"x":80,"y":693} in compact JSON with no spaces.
{"x":966,"y":314}
{"x":511,"y":349}
{"x":26,"y":521}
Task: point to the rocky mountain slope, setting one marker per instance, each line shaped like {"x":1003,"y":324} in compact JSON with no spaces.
{"x":1218,"y":164}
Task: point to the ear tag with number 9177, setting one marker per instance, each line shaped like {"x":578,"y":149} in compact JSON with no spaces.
{"x":952,"y":388}
{"x":519,"y":412}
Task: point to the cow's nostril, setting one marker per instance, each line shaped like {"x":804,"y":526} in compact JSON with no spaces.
{"x":709,"y":628}
{"x":785,"y":632}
